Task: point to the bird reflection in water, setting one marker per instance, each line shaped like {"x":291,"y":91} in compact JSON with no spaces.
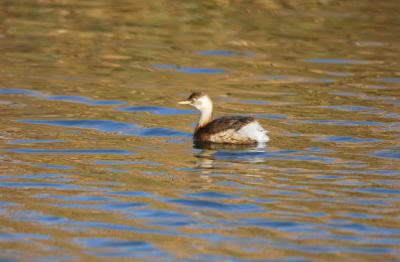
{"x":208,"y":153}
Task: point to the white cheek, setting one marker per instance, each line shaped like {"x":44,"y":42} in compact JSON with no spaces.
{"x":198,"y":105}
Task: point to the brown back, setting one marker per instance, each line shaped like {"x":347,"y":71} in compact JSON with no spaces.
{"x":220,"y":125}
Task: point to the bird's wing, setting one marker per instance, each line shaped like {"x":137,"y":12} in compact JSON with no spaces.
{"x":225,"y":123}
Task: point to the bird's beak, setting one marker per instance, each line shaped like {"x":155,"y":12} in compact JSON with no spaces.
{"x":186,"y":102}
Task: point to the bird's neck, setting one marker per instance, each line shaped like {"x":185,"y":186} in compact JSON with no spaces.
{"x":205,"y":117}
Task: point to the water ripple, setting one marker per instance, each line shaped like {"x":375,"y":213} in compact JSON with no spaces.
{"x":211,"y":194}
{"x":18,"y":91}
{"x":165,"y":218}
{"x":157,"y":110}
{"x":190,"y":70}
{"x":294,"y":79}
{"x":111,"y":126}
{"x":347,"y":139}
{"x":337,"y":122}
{"x":293,"y":155}
{"x":74,"y":99}
{"x":270,"y":116}
{"x":85,"y":100}
{"x":225,"y":53}
{"x":108,"y":247}
{"x":387,"y":154}
{"x":208,"y":204}
{"x":53,"y":166}
{"x":395,"y":80}
{"x":123,"y":162}
{"x":70,"y":151}
{"x":349,"y":108}
{"x":34,"y":141}
{"x":286,"y":226}
{"x":336,"y":61}
{"x":26,"y":185}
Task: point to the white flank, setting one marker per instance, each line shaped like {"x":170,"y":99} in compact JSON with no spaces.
{"x":254,"y":131}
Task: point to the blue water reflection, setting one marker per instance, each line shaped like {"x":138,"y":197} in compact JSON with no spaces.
{"x":347,"y":139}
{"x":111,"y":126}
{"x":85,"y":100}
{"x":115,"y":248}
{"x":395,"y":80}
{"x":387,"y":154}
{"x":189,"y":70}
{"x":65,"y":98}
{"x":225,"y":53}
{"x":34,"y":141}
{"x":157,"y":110}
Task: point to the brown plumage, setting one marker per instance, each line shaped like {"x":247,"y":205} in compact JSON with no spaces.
{"x":220,"y":126}
{"x":196,"y":95}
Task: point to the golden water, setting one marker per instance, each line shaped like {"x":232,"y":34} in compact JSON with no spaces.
{"x":96,"y":157}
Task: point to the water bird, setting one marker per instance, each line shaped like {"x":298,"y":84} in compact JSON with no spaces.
{"x":227,"y":129}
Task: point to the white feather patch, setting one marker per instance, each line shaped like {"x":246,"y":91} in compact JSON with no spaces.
{"x":255,"y":132}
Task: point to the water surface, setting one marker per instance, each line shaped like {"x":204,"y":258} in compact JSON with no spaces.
{"x":96,"y":157}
